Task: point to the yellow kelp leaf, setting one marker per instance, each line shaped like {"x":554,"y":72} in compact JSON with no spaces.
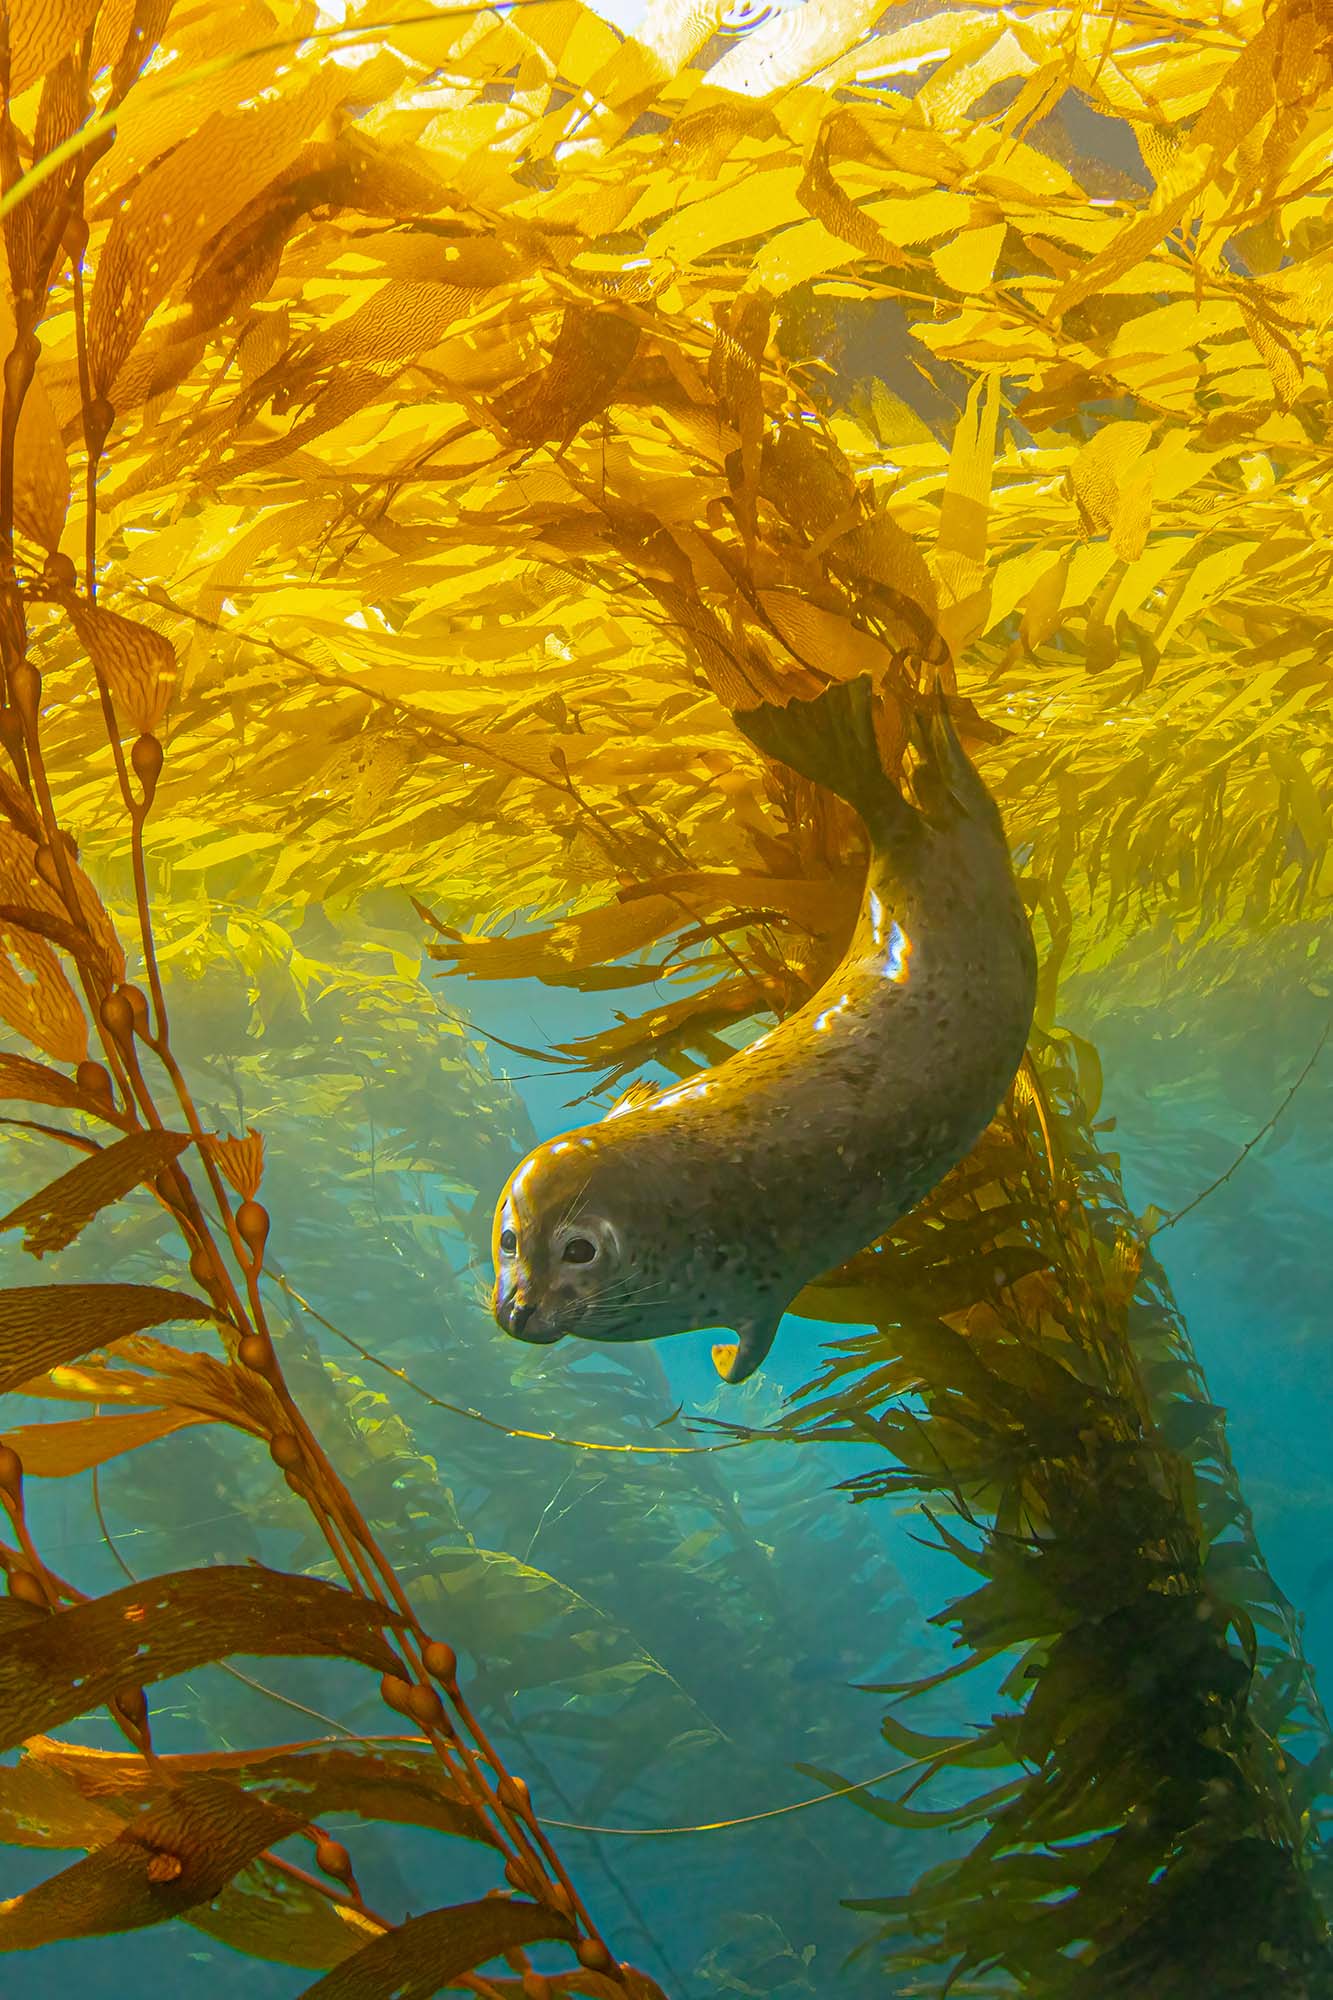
{"x":39,"y":1807}
{"x":1245,"y":95}
{"x":752,"y":206}
{"x":960,"y":554}
{"x":674,"y":30}
{"x":269,"y":1914}
{"x":54,"y":1451}
{"x":1042,"y":604}
{"x":915,"y":46}
{"x":40,"y":33}
{"x":947,"y":95}
{"x":55,"y":1216}
{"x":1145,"y":572}
{"x":1205,"y":578}
{"x":592,"y":351}
{"x":1100,"y":472}
{"x":1307,"y":808}
{"x":33,"y":1083}
{"x":407,"y":1786}
{"x":195,"y":191}
{"x":968,"y":263}
{"x":1281,"y":356}
{"x":596,"y":937}
{"x":138,"y":663}
{"x":240,"y":1161}
{"x":399,"y":320}
{"x":823,"y":640}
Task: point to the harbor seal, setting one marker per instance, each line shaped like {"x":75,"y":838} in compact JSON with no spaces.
{"x":713,"y":1203}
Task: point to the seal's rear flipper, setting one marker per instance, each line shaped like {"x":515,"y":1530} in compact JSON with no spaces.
{"x":737,"y":1363}
{"x":832,"y":740}
{"x":946,"y":776}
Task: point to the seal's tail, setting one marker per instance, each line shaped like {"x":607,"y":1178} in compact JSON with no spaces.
{"x":832,"y":741}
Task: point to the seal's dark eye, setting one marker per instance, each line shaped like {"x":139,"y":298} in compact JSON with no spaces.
{"x":580,"y":1250}
{"x":508,"y":1242}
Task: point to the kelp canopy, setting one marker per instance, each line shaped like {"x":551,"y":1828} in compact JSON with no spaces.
{"x":422,"y":427}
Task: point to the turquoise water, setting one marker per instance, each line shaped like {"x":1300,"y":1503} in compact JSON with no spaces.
{"x":756,"y":1592}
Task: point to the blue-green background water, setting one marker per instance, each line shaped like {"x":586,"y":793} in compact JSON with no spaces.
{"x":758,"y":1593}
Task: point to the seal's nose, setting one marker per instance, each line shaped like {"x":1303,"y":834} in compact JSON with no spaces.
{"x":519,"y":1315}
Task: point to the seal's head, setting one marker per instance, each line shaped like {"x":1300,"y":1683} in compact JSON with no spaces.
{"x":563,"y":1243}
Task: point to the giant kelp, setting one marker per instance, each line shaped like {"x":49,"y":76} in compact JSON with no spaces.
{"x":468,"y":408}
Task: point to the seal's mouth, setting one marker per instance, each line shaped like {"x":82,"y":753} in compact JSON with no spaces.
{"x":516,"y":1317}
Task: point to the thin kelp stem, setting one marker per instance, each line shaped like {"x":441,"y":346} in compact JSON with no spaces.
{"x":1179,"y":1214}
{"x":280,"y":1279}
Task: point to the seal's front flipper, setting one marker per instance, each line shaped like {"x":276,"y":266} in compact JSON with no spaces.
{"x":737,"y":1362}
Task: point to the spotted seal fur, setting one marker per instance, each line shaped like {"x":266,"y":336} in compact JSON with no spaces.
{"x":713,"y":1203}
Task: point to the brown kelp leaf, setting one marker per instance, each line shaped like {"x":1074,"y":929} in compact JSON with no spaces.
{"x":73,"y":1661}
{"x":42,"y":1326}
{"x":54,"y":1217}
{"x":415,"y":1960}
{"x":408,"y":1787}
{"x":261,"y":1911}
{"x":822,"y":196}
{"x":180,"y":1852}
{"x":139,"y":665}
{"x":55,"y":1451}
{"x":34,"y":1083}
{"x":592,"y":351}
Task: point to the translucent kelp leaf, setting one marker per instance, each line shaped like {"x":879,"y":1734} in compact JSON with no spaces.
{"x":967,"y":264}
{"x":270,"y":1914}
{"x":40,"y":33}
{"x":54,"y":1451}
{"x":415,"y":1960}
{"x":199,"y":187}
{"x":823,"y":640}
{"x":181,"y":1851}
{"x":43,"y":1008}
{"x":55,"y":1217}
{"x":409,"y":1787}
{"x":75,"y":1660}
{"x":41,"y":471}
{"x":138,"y":663}
{"x":42,"y":1326}
{"x":41,"y":1808}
